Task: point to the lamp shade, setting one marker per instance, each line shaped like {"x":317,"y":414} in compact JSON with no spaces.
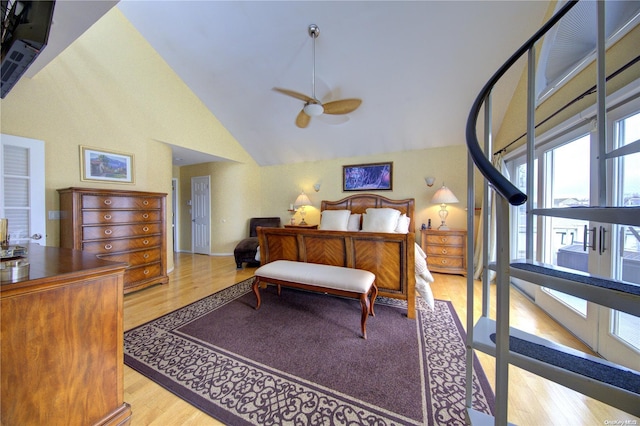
{"x":302,"y":200}
{"x":444,"y":196}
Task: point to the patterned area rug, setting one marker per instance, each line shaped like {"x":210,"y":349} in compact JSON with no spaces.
{"x":300,"y":360}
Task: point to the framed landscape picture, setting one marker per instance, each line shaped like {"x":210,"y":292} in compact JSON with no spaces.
{"x":105,"y":166}
{"x":368,"y":177}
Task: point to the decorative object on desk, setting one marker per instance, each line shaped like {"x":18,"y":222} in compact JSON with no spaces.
{"x":14,"y":270}
{"x":367,"y":177}
{"x":4,"y":233}
{"x":301,"y":202}
{"x":429,"y":224}
{"x":105,"y":166}
{"x":444,"y":196}
{"x":430,"y":181}
{"x":234,"y":374}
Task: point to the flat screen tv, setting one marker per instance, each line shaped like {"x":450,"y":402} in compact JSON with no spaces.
{"x":25,"y":31}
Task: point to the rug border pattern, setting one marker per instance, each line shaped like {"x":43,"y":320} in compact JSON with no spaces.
{"x":203,"y":370}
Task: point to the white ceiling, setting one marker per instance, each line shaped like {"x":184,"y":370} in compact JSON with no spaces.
{"x":416,"y":65}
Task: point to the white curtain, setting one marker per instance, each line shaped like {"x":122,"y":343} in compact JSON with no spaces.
{"x":499,"y":164}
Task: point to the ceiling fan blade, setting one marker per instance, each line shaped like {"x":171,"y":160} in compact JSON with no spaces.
{"x":344,"y":106}
{"x":302,"y":120}
{"x":294,"y":94}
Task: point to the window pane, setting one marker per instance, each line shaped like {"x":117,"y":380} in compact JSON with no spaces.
{"x":627,"y":328}
{"x":16,"y":160}
{"x":567,"y":182}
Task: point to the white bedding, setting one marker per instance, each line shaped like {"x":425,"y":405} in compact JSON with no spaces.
{"x":423,"y":277}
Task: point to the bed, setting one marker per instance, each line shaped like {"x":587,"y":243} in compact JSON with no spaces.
{"x":365,"y":243}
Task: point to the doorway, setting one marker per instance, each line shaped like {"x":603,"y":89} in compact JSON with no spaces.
{"x":201,"y":215}
{"x":22,"y":195}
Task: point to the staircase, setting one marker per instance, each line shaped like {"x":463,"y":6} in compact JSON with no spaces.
{"x":595,"y":377}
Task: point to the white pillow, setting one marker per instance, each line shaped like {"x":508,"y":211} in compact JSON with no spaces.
{"x":380,"y":220}
{"x":354,"y":222}
{"x":403,"y":224}
{"x":334,"y":220}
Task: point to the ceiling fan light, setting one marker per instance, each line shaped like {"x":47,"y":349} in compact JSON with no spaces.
{"x":313,"y":110}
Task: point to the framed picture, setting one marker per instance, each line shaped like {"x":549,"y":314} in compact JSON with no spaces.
{"x":368,"y":177}
{"x":105,"y":166}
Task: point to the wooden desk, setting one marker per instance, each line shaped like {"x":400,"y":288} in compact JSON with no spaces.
{"x":62,"y":341}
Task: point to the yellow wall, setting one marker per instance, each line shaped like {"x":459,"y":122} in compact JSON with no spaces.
{"x":110,"y":90}
{"x":282,"y":184}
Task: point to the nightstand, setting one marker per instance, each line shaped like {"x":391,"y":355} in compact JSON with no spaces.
{"x":446,"y":250}
{"x":302,"y":226}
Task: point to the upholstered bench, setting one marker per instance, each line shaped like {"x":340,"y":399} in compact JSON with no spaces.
{"x":347,"y":282}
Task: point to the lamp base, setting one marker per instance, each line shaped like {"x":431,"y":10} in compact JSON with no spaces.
{"x":302,"y":222}
{"x":443,"y":227}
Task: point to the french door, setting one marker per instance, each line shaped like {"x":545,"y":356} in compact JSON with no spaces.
{"x":22,"y":194}
{"x":566,"y":175}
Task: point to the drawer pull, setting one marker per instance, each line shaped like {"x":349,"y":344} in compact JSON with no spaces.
{"x":145,"y":216}
{"x":145,"y":202}
{"x":145,"y":229}
{"x":444,"y":251}
{"x":107,"y":217}
{"x":108,"y":246}
{"x":145,"y":242}
{"x":443,"y":239}
{"x":146,"y":272}
{"x":443,"y":261}
{"x":108,"y":231}
{"x":107,"y":202}
{"x":146,"y":255}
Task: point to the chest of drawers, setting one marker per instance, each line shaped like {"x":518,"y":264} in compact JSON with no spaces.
{"x":121,"y":226}
{"x":446,"y":250}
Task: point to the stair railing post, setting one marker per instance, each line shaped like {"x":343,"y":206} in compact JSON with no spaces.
{"x":531,"y":130}
{"x":470,"y":289}
{"x":602,"y":105}
{"x":502,"y":310}
{"x":486,"y":226}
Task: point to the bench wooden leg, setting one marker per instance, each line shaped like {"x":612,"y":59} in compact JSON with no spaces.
{"x":374,"y":294}
{"x":366,"y":306}
{"x":256,"y":291}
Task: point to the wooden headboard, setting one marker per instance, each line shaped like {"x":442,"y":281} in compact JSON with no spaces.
{"x":361,"y":202}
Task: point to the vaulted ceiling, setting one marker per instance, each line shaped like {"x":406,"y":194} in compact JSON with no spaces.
{"x":416,"y":65}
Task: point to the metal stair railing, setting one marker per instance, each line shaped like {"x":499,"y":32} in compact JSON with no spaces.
{"x":626,"y":297}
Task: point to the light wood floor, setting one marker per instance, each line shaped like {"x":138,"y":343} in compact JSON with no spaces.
{"x":532,"y":400}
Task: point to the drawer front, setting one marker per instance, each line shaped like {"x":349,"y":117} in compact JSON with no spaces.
{"x":450,"y":240}
{"x":115,"y":246}
{"x":134,"y":258}
{"x":130,"y":216}
{"x":119,"y":231}
{"x":444,"y":250}
{"x":118,"y":202}
{"x":140,"y":273}
{"x":444,"y":262}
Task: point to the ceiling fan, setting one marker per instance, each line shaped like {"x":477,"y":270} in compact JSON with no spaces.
{"x":313,"y":107}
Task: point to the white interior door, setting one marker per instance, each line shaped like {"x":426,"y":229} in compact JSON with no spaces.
{"x":200,"y":215}
{"x":22,"y":194}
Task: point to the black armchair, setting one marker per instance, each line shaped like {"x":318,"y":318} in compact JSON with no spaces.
{"x":246,"y":249}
